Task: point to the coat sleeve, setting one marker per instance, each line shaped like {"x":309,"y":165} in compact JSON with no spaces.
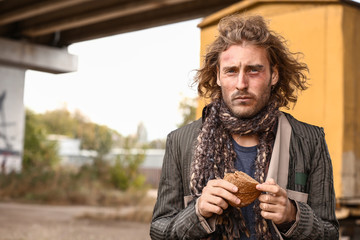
{"x":317,"y":216}
{"x":171,"y":219}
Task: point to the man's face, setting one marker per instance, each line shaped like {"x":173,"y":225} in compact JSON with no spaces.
{"x":245,"y":78}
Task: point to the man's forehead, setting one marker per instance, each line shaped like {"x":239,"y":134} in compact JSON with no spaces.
{"x":244,"y":54}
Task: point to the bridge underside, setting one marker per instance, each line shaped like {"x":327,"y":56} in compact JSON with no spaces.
{"x":59,"y":23}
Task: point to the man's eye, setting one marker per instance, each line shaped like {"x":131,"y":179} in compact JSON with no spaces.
{"x":230,"y":71}
{"x":254,"y":70}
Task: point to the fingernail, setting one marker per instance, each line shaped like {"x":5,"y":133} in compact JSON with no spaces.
{"x":235,"y":189}
{"x":237,"y":201}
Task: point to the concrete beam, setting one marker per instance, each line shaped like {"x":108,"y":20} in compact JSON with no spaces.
{"x":36,"y":57}
{"x":36,"y":9}
{"x":98,"y":16}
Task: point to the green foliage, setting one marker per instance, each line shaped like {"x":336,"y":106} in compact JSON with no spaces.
{"x":59,"y":122}
{"x":118,"y":176}
{"x":93,"y":136}
{"x":125,"y":172}
{"x":38,"y":151}
{"x":43,"y":180}
{"x":89,"y":185}
{"x":103,"y":140}
{"x":188,"y":110}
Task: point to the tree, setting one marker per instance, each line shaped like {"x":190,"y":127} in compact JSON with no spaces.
{"x":38,"y":151}
{"x":188,"y":109}
{"x":103,"y":140}
{"x":93,"y":136}
{"x":125,"y":173}
{"x":59,"y":122}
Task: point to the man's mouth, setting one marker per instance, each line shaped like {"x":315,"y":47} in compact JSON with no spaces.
{"x":242,"y":97}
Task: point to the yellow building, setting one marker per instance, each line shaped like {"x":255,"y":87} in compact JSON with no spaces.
{"x":325,"y":32}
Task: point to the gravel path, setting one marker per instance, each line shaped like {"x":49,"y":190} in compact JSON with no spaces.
{"x":43,"y":222}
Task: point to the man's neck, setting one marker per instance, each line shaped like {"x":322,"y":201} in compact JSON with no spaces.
{"x":246,"y":140}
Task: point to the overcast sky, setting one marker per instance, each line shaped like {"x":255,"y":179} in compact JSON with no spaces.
{"x":125,"y":79}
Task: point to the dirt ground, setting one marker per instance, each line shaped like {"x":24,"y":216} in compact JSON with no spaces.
{"x":42,"y":222}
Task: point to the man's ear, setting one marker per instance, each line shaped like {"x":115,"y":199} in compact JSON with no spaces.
{"x":218,"y":77}
{"x":274,"y":76}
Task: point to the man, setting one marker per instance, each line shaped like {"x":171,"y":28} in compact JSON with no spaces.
{"x":249,"y":74}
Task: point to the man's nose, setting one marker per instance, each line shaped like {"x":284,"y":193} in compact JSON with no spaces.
{"x":242,"y":81}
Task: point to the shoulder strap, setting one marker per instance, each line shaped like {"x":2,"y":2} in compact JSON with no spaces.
{"x":279,"y":163}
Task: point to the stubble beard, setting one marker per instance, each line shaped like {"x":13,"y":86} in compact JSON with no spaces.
{"x":248,"y":111}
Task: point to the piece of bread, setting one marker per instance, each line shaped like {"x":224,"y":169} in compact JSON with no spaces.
{"x":247,"y":192}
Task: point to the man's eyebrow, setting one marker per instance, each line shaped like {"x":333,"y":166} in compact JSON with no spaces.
{"x":230,"y":68}
{"x":256,"y":66}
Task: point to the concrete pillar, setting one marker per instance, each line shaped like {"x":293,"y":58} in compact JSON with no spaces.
{"x":15,"y":58}
{"x":11,"y":117}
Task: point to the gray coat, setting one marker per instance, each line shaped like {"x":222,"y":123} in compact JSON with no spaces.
{"x":309,"y":172}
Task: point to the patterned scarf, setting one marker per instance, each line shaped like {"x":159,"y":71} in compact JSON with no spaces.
{"x":214,"y":156}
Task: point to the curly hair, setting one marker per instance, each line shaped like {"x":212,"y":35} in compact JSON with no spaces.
{"x":234,"y":30}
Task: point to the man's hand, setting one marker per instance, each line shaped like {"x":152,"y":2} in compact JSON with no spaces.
{"x":275,"y":205}
{"x":215,"y":197}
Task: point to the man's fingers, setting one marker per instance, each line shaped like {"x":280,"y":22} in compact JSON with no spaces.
{"x":271,"y":187}
{"x":223,"y":189}
{"x":268,"y":207}
{"x":218,"y":201}
{"x":221,"y":193}
{"x":279,"y":213}
{"x":223,"y":184}
{"x":215,"y":197}
{"x":270,"y":181}
{"x":272,"y":199}
{"x":212,"y":205}
{"x":274,"y":216}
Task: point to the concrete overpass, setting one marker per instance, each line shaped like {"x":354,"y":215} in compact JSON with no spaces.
{"x":59,"y":23}
{"x":49,"y":26}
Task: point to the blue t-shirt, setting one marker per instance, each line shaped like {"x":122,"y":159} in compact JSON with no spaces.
{"x":245,"y":162}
